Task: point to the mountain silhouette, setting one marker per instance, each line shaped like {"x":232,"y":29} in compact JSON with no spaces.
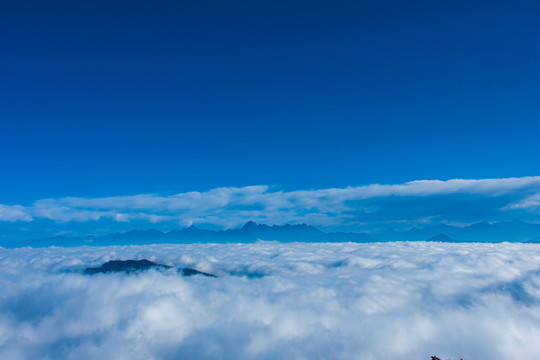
{"x":127,"y":266}
{"x":442,"y":238}
{"x":248,"y":233}
{"x":132,"y":266}
{"x":510,"y":231}
{"x":513,"y":231}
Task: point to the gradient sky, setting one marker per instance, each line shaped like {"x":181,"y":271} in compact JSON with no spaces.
{"x":112,"y":98}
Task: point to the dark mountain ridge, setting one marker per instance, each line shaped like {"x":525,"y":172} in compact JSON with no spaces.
{"x":513,"y":231}
{"x":134,"y":266}
{"x":250,"y":232}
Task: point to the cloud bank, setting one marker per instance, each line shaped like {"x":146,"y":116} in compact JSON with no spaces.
{"x":14,"y":213}
{"x":411,"y":203}
{"x":275,"y":301}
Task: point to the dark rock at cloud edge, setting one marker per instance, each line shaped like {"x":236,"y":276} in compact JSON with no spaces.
{"x":131,"y":266}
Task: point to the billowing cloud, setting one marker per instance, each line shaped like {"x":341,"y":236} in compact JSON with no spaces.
{"x":14,"y":213}
{"x":410,"y":203}
{"x":531,"y":202}
{"x":275,"y":301}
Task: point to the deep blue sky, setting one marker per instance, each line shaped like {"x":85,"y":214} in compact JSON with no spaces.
{"x":103,"y":98}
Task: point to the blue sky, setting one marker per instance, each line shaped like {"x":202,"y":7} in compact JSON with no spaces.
{"x":106,"y":98}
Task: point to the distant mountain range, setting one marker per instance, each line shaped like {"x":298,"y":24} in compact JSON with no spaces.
{"x":514,"y":231}
{"x":250,"y":232}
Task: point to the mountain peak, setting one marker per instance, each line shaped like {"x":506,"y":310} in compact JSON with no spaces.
{"x":442,"y":238}
{"x":250,"y":225}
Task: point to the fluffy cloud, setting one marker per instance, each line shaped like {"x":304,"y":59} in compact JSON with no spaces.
{"x":229,"y":206}
{"x":531,"y":202}
{"x":293,"y":301}
{"x":14,"y":213}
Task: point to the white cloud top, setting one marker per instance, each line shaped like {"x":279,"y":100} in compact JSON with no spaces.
{"x":275,"y":301}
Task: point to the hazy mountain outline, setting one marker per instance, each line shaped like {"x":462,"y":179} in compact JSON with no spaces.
{"x":514,"y":231}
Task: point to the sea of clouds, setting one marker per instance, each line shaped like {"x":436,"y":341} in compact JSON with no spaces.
{"x":274,"y":301}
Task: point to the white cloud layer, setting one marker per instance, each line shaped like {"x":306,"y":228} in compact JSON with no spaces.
{"x":275,"y":301}
{"x":231,"y":206}
{"x":14,"y":213}
{"x":530,"y":202}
